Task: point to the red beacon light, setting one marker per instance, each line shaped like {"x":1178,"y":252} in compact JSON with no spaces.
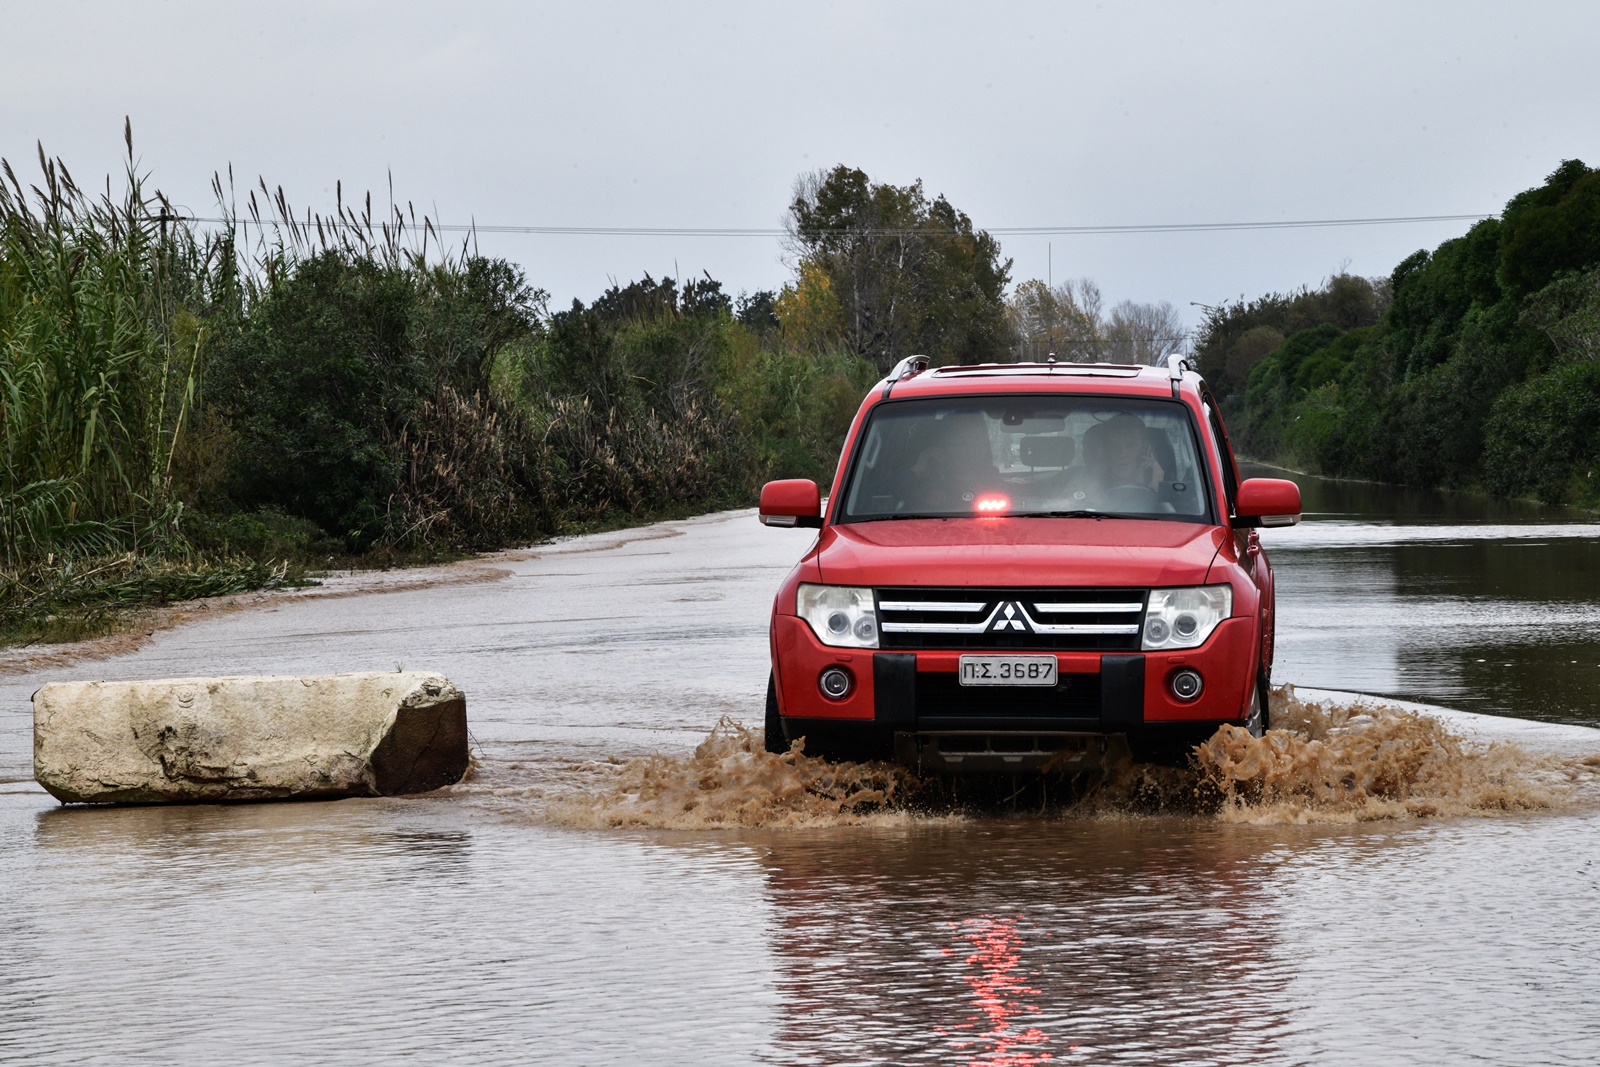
{"x":991,"y":505}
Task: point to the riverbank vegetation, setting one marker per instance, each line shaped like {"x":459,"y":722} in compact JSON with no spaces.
{"x":1474,"y":365}
{"x":191,"y":410}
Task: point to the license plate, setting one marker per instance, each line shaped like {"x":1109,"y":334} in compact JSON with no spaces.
{"x":1008,"y":670}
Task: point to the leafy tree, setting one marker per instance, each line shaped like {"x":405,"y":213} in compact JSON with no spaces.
{"x":910,"y":275}
{"x":1544,"y":437}
{"x":1433,"y":293}
{"x":1552,"y":229}
{"x":1567,"y":313}
{"x":350,"y":388}
{"x":758,"y":312}
{"x":1234,"y":337}
{"x":809,"y":316}
{"x":1066,"y":319}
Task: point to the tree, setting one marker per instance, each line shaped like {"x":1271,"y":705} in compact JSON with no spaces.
{"x":758,"y":312}
{"x":1066,"y":320}
{"x":1235,"y":336}
{"x":1143,"y":333}
{"x":909,"y":275}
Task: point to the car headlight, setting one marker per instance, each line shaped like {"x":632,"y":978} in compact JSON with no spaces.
{"x":1184,"y":618}
{"x":841,"y":615}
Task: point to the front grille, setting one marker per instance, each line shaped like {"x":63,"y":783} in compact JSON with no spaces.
{"x":942,"y":696}
{"x":1061,"y":620}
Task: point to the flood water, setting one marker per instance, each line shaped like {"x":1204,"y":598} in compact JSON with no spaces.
{"x":471,"y":927}
{"x":1489,"y":606}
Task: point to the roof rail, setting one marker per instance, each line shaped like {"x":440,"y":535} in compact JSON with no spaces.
{"x":909,"y":367}
{"x":1176,"y":365}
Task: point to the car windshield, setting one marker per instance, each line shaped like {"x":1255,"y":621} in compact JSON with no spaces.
{"x":1027,"y":456}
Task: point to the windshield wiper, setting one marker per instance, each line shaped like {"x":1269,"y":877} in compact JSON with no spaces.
{"x":1079,"y":514}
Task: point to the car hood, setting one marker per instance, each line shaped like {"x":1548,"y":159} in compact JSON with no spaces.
{"x":1018,"y":552}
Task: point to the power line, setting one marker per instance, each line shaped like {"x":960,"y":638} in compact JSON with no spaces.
{"x":999,"y":231}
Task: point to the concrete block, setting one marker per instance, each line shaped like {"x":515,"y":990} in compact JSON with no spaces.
{"x":210,"y":739}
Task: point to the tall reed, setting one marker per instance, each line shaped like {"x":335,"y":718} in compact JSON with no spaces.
{"x":99,"y":342}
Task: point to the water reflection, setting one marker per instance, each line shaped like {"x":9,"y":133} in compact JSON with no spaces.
{"x":1017,"y":943}
{"x":1002,"y":996}
{"x":1482,"y":604}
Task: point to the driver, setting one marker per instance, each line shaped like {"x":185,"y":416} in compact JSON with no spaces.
{"x":1123,"y":456}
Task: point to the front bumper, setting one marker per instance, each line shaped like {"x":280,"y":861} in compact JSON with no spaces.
{"x":1101,"y":693}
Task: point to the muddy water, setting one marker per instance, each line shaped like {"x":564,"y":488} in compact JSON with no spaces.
{"x":479,"y":926}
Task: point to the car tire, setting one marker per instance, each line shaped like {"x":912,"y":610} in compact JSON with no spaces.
{"x":776,"y":742}
{"x":1258,"y":716}
{"x":775,"y":723}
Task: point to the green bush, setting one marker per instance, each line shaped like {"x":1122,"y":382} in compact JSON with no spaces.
{"x":359,"y":396}
{"x":1543,"y":437}
{"x":1439,"y":392}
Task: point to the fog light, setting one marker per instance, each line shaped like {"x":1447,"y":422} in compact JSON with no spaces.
{"x":835,"y":683}
{"x":1186,"y":684}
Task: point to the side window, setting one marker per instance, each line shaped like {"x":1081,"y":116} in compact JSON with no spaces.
{"x":1230,"y":472}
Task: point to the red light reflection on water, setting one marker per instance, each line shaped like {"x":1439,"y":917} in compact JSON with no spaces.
{"x":1000,"y":994}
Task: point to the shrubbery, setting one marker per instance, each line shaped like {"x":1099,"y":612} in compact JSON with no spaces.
{"x":182,"y":416}
{"x":1474,"y":365}
{"x":1544,"y":437}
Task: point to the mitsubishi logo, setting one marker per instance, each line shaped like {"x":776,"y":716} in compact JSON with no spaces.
{"x":1005,"y":618}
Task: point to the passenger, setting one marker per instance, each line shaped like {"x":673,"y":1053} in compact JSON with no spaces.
{"x":954,"y":462}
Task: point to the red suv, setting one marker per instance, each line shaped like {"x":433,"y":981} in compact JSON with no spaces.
{"x":1020,"y":563}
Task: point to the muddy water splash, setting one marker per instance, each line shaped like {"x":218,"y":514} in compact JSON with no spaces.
{"x":1322,"y":763}
{"x":1350,"y":763}
{"x":731,"y":780}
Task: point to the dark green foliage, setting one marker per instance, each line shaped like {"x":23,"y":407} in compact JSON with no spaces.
{"x":1481,"y":373}
{"x":263,"y":536}
{"x":1544,"y":437}
{"x":1433,"y":293}
{"x":358,"y":396}
{"x":758,"y":312}
{"x":654,"y":400}
{"x":1567,"y":313}
{"x":1278,"y":385}
{"x":1235,"y":337}
{"x":306,"y":382}
{"x":1552,"y":229}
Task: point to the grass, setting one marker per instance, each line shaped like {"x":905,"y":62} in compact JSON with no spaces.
{"x":75,"y":600}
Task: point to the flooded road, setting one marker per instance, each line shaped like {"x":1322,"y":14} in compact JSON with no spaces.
{"x":472,"y":927}
{"x":1488,"y":606}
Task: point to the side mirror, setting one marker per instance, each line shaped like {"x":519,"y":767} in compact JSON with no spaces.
{"x":791,"y":502}
{"x":1268,"y":502}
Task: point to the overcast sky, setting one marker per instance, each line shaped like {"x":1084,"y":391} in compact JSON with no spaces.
{"x":664,"y":114}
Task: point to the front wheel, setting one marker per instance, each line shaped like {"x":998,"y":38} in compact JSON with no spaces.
{"x":774,"y":727}
{"x":1258,"y":716}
